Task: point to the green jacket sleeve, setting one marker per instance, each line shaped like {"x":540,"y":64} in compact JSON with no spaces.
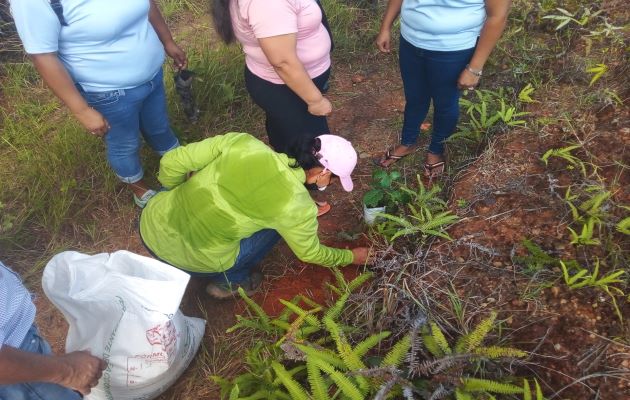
{"x":302,"y":238}
{"x":177,"y":163}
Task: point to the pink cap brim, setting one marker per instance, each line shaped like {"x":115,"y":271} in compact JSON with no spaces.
{"x":346,"y":183}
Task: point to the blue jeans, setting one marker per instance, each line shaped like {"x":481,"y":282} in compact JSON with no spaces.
{"x":431,"y":75}
{"x":131,"y":112}
{"x":252,"y":250}
{"x":33,"y":343}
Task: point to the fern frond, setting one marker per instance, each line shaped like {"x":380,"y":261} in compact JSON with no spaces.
{"x":398,"y":353}
{"x":487,"y":385}
{"x":334,"y":311}
{"x":366,"y":345}
{"x":359,"y":280}
{"x":471,"y":341}
{"x":527,"y":391}
{"x":296,"y":390}
{"x":462,"y":395}
{"x":342,"y":284}
{"x":322,"y":354}
{"x":344,"y":383}
{"x":493,"y":352}
{"x":309,"y":302}
{"x":539,"y":393}
{"x":243,"y":322}
{"x":352,"y":361}
{"x":431,"y":345}
{"x":262,"y":315}
{"x":286,"y":313}
{"x":315,"y":379}
{"x":234,"y":393}
{"x":308,"y":315}
{"x":439,"y":338}
{"x":291,"y":332}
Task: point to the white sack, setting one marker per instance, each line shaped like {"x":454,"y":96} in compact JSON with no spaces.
{"x":124,"y":308}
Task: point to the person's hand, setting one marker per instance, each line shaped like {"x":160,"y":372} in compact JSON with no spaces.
{"x":177,"y":54}
{"x":93,"y":121}
{"x":467,"y":80}
{"x":384,"y":41}
{"x":361,"y":255}
{"x":322,"y":108}
{"x":81,"y":371}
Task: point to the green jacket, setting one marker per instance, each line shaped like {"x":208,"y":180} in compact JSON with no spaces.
{"x":240,"y":187}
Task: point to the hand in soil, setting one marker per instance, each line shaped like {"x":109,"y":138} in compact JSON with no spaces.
{"x":81,"y":371}
{"x":361,"y":255}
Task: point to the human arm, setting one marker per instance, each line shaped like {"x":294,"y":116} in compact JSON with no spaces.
{"x":57,"y":78}
{"x":176,"y":164}
{"x":302,"y":238}
{"x":77,"y":370}
{"x":496,"y":19}
{"x":282,"y":55}
{"x":383,"y":39}
{"x":164,"y":34}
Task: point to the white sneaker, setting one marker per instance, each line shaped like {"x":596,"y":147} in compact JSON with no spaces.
{"x":142,"y":201}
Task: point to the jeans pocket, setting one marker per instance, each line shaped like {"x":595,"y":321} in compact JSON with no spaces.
{"x":101,"y":98}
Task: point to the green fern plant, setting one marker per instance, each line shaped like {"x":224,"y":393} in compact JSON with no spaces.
{"x":423,"y":216}
{"x":598,"y":71}
{"x":527,"y":391}
{"x":488,"y":110}
{"x":305,"y":352}
{"x":587,"y":278}
{"x":566,"y":17}
{"x":565,"y":153}
{"x":623,"y":226}
{"x":536,"y":260}
{"x":524,"y":96}
{"x":468,"y":351}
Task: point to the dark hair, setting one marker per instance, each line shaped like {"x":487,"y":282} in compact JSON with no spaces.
{"x":222,"y":20}
{"x":304,"y":150}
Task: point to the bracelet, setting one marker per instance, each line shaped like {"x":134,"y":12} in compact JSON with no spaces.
{"x":476,"y":72}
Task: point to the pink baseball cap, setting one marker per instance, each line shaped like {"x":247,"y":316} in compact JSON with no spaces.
{"x":339,"y":157}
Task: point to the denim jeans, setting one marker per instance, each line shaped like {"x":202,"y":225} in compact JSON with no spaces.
{"x":34,"y":343}
{"x":252,"y":250}
{"x":431,"y":75}
{"x":131,"y":112}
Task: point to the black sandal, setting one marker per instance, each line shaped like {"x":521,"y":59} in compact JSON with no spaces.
{"x":389,"y":156}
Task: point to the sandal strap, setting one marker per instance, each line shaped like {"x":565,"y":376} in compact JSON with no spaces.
{"x":390,"y":156}
{"x":433,"y":166}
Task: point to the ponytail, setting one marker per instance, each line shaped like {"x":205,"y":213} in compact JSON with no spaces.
{"x":222,"y":20}
{"x":304,"y":150}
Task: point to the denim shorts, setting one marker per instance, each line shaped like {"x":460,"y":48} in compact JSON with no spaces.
{"x":134,"y":114}
{"x":34,"y":343}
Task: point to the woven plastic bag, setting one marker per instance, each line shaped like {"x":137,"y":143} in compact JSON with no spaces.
{"x":124,"y":308}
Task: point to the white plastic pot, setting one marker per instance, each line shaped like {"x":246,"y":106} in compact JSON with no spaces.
{"x":369,"y":214}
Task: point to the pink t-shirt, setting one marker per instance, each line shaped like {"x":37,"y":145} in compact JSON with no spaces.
{"x":257,"y":19}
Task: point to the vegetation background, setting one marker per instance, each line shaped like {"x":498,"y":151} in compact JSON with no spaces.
{"x":538,"y":178}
